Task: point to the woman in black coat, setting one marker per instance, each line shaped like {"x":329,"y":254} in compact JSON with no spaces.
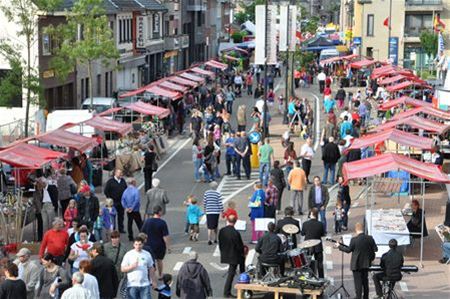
{"x":277,"y":176}
{"x":415,"y":223}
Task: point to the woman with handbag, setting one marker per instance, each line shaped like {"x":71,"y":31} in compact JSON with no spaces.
{"x":150,"y":166}
{"x":256,"y":205}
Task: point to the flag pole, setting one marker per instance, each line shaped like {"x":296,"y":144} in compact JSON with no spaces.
{"x":389,"y":29}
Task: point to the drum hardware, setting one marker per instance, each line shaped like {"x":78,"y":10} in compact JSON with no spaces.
{"x":341,"y":286}
{"x":309,"y":243}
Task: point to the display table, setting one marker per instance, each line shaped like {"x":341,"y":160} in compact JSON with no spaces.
{"x":129,"y":162}
{"x":384,"y":225}
{"x":276,"y":291}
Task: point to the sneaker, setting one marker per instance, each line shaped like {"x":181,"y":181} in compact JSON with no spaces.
{"x":209,"y":243}
{"x":215,"y":241}
{"x":443,"y":260}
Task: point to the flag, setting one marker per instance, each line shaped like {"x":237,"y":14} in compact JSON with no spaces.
{"x":438,"y":25}
{"x":386,"y":22}
{"x":440,"y":44}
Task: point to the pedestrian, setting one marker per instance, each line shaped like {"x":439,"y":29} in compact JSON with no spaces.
{"x":241,"y":118}
{"x":290,"y":156}
{"x":363,"y":248}
{"x":150,"y":166}
{"x":66,"y":188}
{"x":197,"y":158}
{"x":77,"y":291}
{"x":209,"y":160}
{"x":212,"y":201}
{"x":230,"y":97}
{"x":196,"y":124}
{"x":249,"y":83}
{"x":307,"y":154}
{"x":88,"y":207}
{"x":108,"y":213}
{"x":288,"y":219}
{"x":318,"y":197}
{"x":115,"y":251}
{"x":47,"y":208}
{"x":328,"y":131}
{"x":55,"y":241}
{"x":193,"y":215}
{"x":265,"y":154}
{"x":80,"y":250}
{"x":321,"y":77}
{"x":164,"y":290}
{"x":131,"y":202}
{"x":241,"y":148}
{"x":98,"y":226}
{"x":297,"y":182}
{"x":28,"y":271}
{"x":230,"y":155}
{"x":231,"y":252}
{"x":105,"y":270}
{"x":114,"y":189}
{"x":346,"y":127}
{"x":70,"y":213}
{"x":12,"y":287}
{"x":231,"y":210}
{"x":139,"y":267}
{"x":89,"y":282}
{"x":87,"y":168}
{"x":156,"y":196}
{"x":277,"y":177}
{"x":256,"y":205}
{"x":53,"y":280}
{"x":271,"y":201}
{"x":330,"y":156}
{"x":339,"y":215}
{"x":314,"y":230}
{"x":340,"y":97}
{"x":193,"y":280}
{"x":158,"y":238}
{"x":344,"y":195}
{"x":37,"y":205}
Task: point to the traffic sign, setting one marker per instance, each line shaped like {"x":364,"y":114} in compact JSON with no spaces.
{"x":357,"y":41}
{"x":254,"y":137}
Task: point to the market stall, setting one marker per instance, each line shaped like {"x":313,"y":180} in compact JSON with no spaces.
{"x":415,"y":122}
{"x":430,"y":111}
{"x":403,"y":101}
{"x":216,"y":64}
{"x":63,"y":138}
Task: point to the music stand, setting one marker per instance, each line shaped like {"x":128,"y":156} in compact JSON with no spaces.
{"x":341,"y":286}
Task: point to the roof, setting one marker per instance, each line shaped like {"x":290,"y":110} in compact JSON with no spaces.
{"x":362,"y":63}
{"x":158,"y":91}
{"x":28,"y":156}
{"x":397,"y":136}
{"x":202,"y":72}
{"x":215,"y":64}
{"x":415,"y":122}
{"x":183,"y":81}
{"x":108,"y":125}
{"x":67,"y":139}
{"x":192,"y":77}
{"x":115,"y":6}
{"x":173,"y":86}
{"x":403,"y":101}
{"x":406,"y":84}
{"x":386,"y":162}
{"x":425,"y":110}
{"x":148,"y":109}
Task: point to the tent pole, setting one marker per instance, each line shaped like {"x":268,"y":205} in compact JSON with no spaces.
{"x":423,"y":218}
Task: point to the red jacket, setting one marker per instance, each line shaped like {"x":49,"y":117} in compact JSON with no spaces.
{"x":54,"y":242}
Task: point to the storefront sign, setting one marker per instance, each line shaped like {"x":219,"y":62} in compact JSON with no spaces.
{"x":48,"y":74}
{"x":170,"y":54}
{"x":393,"y":50}
{"x":156,"y":23}
{"x":357,"y":41}
{"x":140,"y":32}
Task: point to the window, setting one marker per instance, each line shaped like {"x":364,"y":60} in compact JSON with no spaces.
{"x":128,"y":30}
{"x":370,"y":23}
{"x":156,"y":25}
{"x":199,"y":18}
{"x":149,"y":27}
{"x":99,"y":85}
{"x":106,"y":84}
{"x":86,"y":81}
{"x":46,"y":45}
{"x":133,"y":78}
{"x":120,"y":32}
{"x":415,"y":24}
{"x":82,"y":90}
{"x":111,"y":25}
{"x":110,"y":83}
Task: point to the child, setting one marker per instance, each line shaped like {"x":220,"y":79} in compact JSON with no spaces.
{"x":339,"y":214}
{"x":98,"y":226}
{"x":193,"y":216}
{"x":109,"y":217}
{"x":164,"y":291}
{"x":231,"y":210}
{"x":70,"y":213}
{"x":187,"y":203}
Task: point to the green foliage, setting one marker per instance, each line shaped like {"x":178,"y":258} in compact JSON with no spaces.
{"x":302,"y":58}
{"x":11,"y":83}
{"x":429,"y":42}
{"x":248,"y":11}
{"x":310,"y":25}
{"x":241,"y":17}
{"x":237,"y":37}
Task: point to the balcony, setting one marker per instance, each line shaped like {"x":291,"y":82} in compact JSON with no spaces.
{"x":424,"y":5}
{"x":176,"y":42}
{"x":196,"y":5}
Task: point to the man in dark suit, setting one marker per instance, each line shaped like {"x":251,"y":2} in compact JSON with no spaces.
{"x":104,"y":271}
{"x":318,"y":197}
{"x":391,"y":263}
{"x":231,"y":252}
{"x":288,"y":219}
{"x":363,"y":250}
{"x":313,"y":229}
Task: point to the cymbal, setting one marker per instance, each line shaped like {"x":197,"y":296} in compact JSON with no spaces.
{"x":309,"y":244}
{"x":290,"y":229}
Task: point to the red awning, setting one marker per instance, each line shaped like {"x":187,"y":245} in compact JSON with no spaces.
{"x":173,"y":86}
{"x":417,"y":123}
{"x":403,"y":101}
{"x":231,"y":58}
{"x":149,"y":109}
{"x":386,"y":162}
{"x":390,"y":80}
{"x":405,"y":85}
{"x":431,"y":111}
{"x":28,"y":156}
{"x":362,"y":63}
{"x":338,"y":58}
{"x":108,"y":125}
{"x":61,"y":137}
{"x":182,"y":81}
{"x":110,"y":111}
{"x":192,"y":77}
{"x":202,"y":72}
{"x":397,"y":136}
{"x":137,"y":91}
{"x":164,"y":92}
{"x":215,"y":64}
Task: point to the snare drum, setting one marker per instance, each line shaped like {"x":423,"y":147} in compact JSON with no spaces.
{"x":298,"y":258}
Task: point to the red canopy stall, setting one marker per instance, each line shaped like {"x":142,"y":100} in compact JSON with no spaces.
{"x":431,"y":111}
{"x":215,"y":64}
{"x":67,"y":139}
{"x":28,"y":156}
{"x":406,"y":84}
{"x":148,"y":109}
{"x":404,"y":100}
{"x":202,"y":72}
{"x":173,"y":86}
{"x":363,"y":63}
{"x":183,"y":81}
{"x":108,"y":125}
{"x":417,"y":123}
{"x":192,"y":77}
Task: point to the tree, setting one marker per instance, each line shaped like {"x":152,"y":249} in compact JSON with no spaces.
{"x":248,"y":11}
{"x":23,"y":13}
{"x":429,"y":42}
{"x":84,"y":39}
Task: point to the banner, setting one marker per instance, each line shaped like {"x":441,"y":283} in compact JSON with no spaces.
{"x":266,"y":45}
{"x":260,"y":34}
{"x":292,"y":27}
{"x":272,"y":34}
{"x":393,"y":50}
{"x":283,"y":27}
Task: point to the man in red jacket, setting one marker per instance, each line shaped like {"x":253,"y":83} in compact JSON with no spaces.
{"x":55,"y":241}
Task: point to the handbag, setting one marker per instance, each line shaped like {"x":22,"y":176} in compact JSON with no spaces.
{"x":154,"y":166}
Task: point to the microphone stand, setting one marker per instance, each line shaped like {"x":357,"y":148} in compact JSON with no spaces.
{"x":342,"y":286}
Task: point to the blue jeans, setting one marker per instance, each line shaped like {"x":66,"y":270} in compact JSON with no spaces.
{"x":264,"y":170}
{"x":329,"y":167}
{"x":197,"y":164}
{"x":98,"y":234}
{"x":446,"y":250}
{"x":323,"y":218}
{"x":139,"y":292}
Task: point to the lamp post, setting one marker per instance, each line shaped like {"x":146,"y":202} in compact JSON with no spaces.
{"x":264,"y":131}
{"x":286,"y":82}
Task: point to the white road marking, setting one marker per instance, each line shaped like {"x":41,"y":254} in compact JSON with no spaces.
{"x":177,"y":266}
{"x":250,"y":257}
{"x":329,"y":265}
{"x":327,"y":249}
{"x":186,"y":250}
{"x":317,"y":142}
{"x":349,"y":212}
{"x":355,"y":204}
{"x":331,"y":279}
{"x":216,"y":251}
{"x":168,"y":159}
{"x":403,"y":286}
{"x":215,"y":265}
{"x":238,"y":191}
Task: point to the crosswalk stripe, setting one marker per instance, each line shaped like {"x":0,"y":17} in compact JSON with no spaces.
{"x":355,"y":204}
{"x":403,"y":286}
{"x":177,"y":266}
{"x":186,"y":250}
{"x":216,"y":251}
{"x":215,"y":265}
{"x":329,"y":265}
{"x":327,"y":249}
{"x":250,"y":257}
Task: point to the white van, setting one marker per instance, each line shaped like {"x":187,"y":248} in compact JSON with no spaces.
{"x":58,"y":118}
{"x":328,"y":53}
{"x":99,"y":104}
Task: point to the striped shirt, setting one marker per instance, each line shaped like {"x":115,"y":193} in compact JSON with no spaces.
{"x":212,"y":201}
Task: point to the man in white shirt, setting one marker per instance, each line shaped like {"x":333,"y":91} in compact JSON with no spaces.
{"x":28,"y":271}
{"x":346,"y":113}
{"x":307,"y":154}
{"x":77,"y":291}
{"x":321,"y":77}
{"x":139,"y":267}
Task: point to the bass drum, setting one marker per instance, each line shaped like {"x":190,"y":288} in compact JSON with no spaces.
{"x":298,"y":258}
